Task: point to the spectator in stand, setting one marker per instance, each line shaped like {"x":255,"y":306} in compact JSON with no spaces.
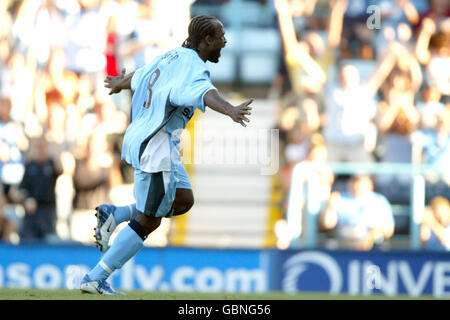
{"x":316,"y":157}
{"x":15,"y":141}
{"x":56,"y":125}
{"x":85,"y":100}
{"x":64,"y":81}
{"x":49,"y":31}
{"x":299,"y":137}
{"x":350,"y":108}
{"x":397,"y":119}
{"x":433,"y":52}
{"x":361,"y":218}
{"x":91,"y":179}
{"x":38,"y":199}
{"x":434,"y":146}
{"x":430,"y":107}
{"x":86,"y":35}
{"x":8,"y":225}
{"x":308,"y":59}
{"x":435,"y":228}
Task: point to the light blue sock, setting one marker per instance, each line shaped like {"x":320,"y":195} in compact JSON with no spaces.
{"x":125,"y":246}
{"x":125,"y":213}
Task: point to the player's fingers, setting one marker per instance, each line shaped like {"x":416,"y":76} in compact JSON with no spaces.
{"x":242,"y":119}
{"x":245,"y":119}
{"x":240,"y":122}
{"x":246,"y":103}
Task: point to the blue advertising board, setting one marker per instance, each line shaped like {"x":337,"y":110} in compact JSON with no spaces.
{"x":390,"y":273}
{"x":363,"y":273}
{"x":172,"y":269}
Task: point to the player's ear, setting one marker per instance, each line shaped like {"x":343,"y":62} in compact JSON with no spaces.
{"x":209,"y":40}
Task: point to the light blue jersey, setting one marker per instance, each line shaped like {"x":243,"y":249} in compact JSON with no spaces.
{"x":369,"y":211}
{"x":166,"y":93}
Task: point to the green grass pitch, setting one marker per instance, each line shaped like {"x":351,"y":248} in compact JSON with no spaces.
{"x":35,"y":294}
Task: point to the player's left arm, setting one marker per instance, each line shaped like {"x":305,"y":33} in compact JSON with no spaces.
{"x":215,"y":101}
{"x":119,"y":83}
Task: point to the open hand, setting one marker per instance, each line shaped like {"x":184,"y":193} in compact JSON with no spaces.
{"x":240,"y":112}
{"x":114,"y":83}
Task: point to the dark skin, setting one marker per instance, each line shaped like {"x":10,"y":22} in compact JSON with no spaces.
{"x":208,"y":50}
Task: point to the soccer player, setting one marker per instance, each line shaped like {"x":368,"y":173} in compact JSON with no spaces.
{"x":166,"y":93}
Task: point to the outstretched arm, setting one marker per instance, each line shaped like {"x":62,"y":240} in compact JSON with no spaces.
{"x":329,"y":218}
{"x":116,"y":84}
{"x":410,"y":11}
{"x":294,"y":50}
{"x":338,"y":8}
{"x":287,"y":28}
{"x":215,"y":101}
{"x":423,"y":39}
{"x":384,"y":68}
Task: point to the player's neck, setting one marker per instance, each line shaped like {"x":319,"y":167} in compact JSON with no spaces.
{"x":202,"y":53}
{"x":202,"y":56}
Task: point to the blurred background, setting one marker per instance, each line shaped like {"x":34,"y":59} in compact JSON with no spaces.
{"x":358,"y":92}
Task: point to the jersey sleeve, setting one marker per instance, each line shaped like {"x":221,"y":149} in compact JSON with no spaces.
{"x":191,"y":92}
{"x":137,"y":78}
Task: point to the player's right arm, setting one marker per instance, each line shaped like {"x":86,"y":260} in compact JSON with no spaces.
{"x":116,"y":84}
{"x":215,"y":101}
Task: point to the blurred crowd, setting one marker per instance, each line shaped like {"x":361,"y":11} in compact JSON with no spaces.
{"x":60,"y":131}
{"x":366,"y":86}
{"x":353,"y":85}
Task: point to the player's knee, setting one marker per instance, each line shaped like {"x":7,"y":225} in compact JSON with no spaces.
{"x":183,"y":202}
{"x":183,"y":206}
{"x":148,"y":224}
